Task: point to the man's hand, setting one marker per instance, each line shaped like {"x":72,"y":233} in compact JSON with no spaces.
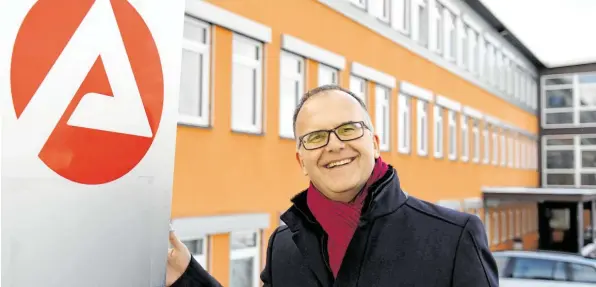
{"x":178,"y":260}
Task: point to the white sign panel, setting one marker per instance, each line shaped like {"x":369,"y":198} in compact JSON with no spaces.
{"x":89,"y":99}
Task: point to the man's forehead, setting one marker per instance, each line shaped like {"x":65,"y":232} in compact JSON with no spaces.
{"x":327,"y":110}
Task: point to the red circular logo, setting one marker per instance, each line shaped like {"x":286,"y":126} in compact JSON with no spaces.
{"x":80,"y":154}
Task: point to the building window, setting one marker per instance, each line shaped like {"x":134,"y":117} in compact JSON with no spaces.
{"x":244,"y":256}
{"x":404,"y":124}
{"x":452,"y":126}
{"x":358,"y":87}
{"x":422,"y":127}
{"x":360,"y":3}
{"x":518,"y":223}
{"x":291,"y":90}
{"x":194,"y":102}
{"x":473,"y":49}
{"x":380,"y":9}
{"x":449,"y":34}
{"x":486,"y":141}
{"x":465,"y":139}
{"x":437,"y":28}
{"x":569,"y":100}
{"x":476,"y":141}
{"x":511,"y":225}
{"x":510,"y":151}
{"x":503,"y":149}
{"x":517,"y":152}
{"x":327,"y":75}
{"x":495,"y":137}
{"x":503,"y":226}
{"x":383,"y":117}
{"x":420,"y":22}
{"x":570,"y":161}
{"x":400,"y":16}
{"x":438,"y":131}
{"x":247,"y":85}
{"x":496,"y":228}
{"x":198,"y":250}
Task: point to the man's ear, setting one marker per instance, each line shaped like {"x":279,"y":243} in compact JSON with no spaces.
{"x":301,"y":163}
{"x":377,"y":146}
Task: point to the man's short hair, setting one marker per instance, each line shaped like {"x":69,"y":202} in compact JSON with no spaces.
{"x":326,"y":88}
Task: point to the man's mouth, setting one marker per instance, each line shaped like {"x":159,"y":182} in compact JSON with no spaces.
{"x":339,"y":163}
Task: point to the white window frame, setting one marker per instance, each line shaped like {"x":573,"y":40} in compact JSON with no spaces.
{"x":250,"y":252}
{"x":486,"y":142}
{"x":204,"y":50}
{"x":404,"y":123}
{"x":476,"y":140}
{"x":438,"y":131}
{"x":452,"y":134}
{"x":510,"y":152}
{"x":362,"y":4}
{"x":465,"y":138}
{"x":358,"y":86}
{"x":504,"y":149}
{"x":287,"y":103}
{"x":511,"y":225}
{"x":495,"y":145}
{"x":416,"y":7}
{"x":380,"y":9}
{"x":240,"y":125}
{"x":383,"y":115}
{"x":496,"y":237}
{"x":422,"y":127}
{"x":202,"y":258}
{"x":503,"y":226}
{"x":401,"y":15}
{"x":327,"y":69}
{"x":449,"y":24}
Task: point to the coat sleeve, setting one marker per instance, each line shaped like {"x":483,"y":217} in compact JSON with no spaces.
{"x":196,"y":276}
{"x":266,"y":276}
{"x":474,"y":263}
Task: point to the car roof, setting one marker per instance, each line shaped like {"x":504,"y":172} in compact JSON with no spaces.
{"x":543,"y":254}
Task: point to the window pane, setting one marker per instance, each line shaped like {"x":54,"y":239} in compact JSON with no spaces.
{"x":240,"y":240}
{"x":559,"y":159}
{"x":559,"y":98}
{"x":559,"y":118}
{"x":588,"y":158}
{"x":530,"y":268}
{"x":559,"y":81}
{"x":588,"y":179}
{"x":583,"y":273}
{"x":243,"y":86}
{"x":587,"y":95}
{"x":555,"y":142}
{"x":190,"y":84}
{"x":587,"y":117}
{"x":242,"y":273}
{"x":588,"y":141}
{"x":194,"y":31}
{"x":560,"y":179}
{"x":587,"y":79}
{"x":194,"y":246}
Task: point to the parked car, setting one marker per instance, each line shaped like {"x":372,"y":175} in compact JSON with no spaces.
{"x":545,"y":269}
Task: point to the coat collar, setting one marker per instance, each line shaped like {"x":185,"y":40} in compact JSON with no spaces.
{"x":385,"y":196}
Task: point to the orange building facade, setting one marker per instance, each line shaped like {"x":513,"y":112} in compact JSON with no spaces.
{"x":453,"y":104}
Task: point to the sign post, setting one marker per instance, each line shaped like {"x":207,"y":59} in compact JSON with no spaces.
{"x":89,"y":100}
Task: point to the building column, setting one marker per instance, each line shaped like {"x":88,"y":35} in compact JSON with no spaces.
{"x":580,"y":226}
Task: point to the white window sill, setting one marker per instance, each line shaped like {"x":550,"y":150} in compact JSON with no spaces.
{"x":422,"y":153}
{"x":403,"y":150}
{"x":247,"y":130}
{"x":464,"y":158}
{"x":452,"y":157}
{"x":438,"y":155}
{"x":193,"y":121}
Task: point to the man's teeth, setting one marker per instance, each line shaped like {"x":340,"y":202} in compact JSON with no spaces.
{"x":338,"y":163}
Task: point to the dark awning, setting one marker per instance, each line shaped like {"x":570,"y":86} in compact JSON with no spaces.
{"x":498,"y":195}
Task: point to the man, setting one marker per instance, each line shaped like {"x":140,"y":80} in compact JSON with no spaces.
{"x":354,"y":226}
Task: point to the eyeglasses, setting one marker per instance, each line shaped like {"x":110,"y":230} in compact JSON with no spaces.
{"x":346,"y":132}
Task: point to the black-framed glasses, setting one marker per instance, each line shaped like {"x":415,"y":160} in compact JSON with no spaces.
{"x":345,"y":132}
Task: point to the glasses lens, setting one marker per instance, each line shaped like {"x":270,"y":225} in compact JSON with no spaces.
{"x":350,"y":131}
{"x":315,"y":139}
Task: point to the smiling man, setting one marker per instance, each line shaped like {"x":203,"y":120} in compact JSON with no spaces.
{"x":354,"y":225}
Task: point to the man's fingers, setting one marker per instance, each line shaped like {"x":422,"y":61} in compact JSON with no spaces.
{"x":176,"y":243}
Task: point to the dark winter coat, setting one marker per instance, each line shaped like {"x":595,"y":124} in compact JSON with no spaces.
{"x":401,"y":241}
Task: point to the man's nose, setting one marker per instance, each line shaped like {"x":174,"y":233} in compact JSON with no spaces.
{"x":334,"y":143}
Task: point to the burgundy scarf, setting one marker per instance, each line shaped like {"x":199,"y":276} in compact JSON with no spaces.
{"x":340,"y":219}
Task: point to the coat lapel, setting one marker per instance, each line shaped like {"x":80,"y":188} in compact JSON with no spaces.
{"x":310,"y":248}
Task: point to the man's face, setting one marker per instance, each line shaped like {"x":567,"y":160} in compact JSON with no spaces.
{"x":341,"y":168}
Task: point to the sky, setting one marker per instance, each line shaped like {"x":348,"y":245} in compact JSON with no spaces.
{"x":558,"y":32}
